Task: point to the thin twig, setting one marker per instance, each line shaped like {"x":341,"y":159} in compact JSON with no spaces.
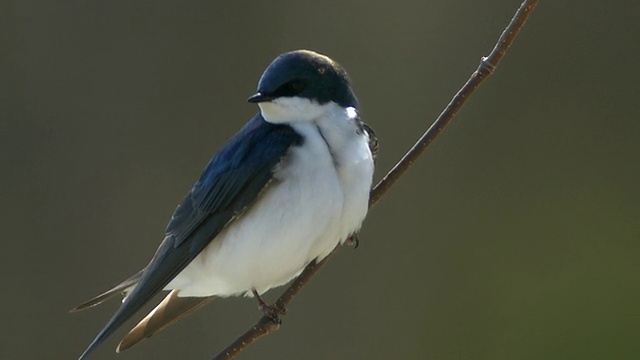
{"x":487,"y":67}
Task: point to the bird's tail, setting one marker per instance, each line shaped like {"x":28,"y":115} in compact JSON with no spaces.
{"x":172,"y":309}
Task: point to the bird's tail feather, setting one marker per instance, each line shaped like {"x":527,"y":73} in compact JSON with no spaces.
{"x":172,"y":309}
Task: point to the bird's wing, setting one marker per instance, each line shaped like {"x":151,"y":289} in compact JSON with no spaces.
{"x":122,"y":288}
{"x":232,"y":180}
{"x":374,"y":146}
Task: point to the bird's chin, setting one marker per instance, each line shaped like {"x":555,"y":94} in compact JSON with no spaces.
{"x":291,"y":109}
{"x":273,"y":112}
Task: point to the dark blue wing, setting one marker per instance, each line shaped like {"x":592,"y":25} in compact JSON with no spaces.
{"x":231,"y":181}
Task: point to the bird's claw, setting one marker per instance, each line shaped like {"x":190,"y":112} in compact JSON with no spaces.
{"x":353,"y":241}
{"x":273,"y":311}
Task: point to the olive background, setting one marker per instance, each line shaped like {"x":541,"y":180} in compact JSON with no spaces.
{"x":516,"y":235}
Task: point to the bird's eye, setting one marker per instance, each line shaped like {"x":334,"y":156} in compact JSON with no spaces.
{"x":298,"y":86}
{"x":292,"y":88}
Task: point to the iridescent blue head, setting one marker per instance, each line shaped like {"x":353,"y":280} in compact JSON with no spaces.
{"x":305,"y":74}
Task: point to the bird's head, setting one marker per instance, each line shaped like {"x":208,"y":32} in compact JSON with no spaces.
{"x":300,"y":85}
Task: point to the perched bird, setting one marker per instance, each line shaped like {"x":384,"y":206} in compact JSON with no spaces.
{"x":289,"y":187}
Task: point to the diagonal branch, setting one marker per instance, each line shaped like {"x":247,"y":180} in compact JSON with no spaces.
{"x":487,"y":67}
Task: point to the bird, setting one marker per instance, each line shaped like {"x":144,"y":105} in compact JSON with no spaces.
{"x":289,"y":187}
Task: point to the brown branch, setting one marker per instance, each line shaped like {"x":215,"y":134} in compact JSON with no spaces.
{"x":487,"y":66}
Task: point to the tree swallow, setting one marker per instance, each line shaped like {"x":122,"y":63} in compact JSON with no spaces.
{"x":289,"y":187}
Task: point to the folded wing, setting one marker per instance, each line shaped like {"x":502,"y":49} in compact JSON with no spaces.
{"x":229,"y":184}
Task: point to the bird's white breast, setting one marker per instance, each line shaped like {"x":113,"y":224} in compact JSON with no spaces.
{"x":319,"y":196}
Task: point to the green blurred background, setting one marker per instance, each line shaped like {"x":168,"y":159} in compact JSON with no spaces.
{"x":516,"y":236}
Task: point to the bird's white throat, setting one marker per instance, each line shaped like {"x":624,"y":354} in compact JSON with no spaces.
{"x":295,"y":109}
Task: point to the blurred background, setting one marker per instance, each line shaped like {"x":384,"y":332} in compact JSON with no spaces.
{"x":516,"y":236}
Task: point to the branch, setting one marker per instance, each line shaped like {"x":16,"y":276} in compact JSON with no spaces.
{"x":487,"y":67}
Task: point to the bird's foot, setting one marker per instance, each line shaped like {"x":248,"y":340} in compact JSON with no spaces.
{"x":271,"y":311}
{"x":353,"y":240}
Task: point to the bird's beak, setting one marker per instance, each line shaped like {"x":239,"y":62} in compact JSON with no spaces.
{"x":259,"y":97}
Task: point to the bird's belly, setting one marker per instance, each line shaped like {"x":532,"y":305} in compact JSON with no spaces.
{"x":298,"y":218}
